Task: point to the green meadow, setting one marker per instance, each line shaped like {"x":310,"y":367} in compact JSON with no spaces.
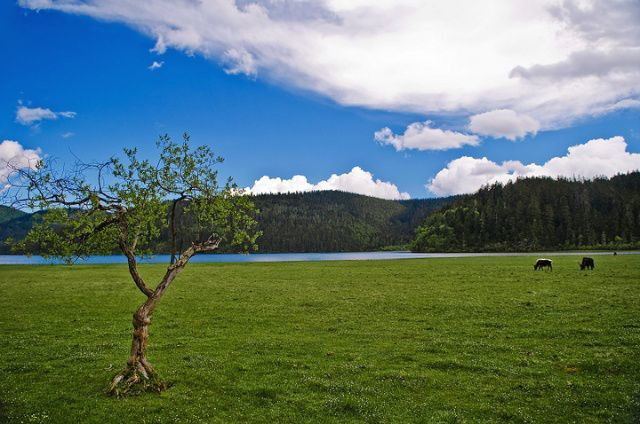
{"x":482,"y":339}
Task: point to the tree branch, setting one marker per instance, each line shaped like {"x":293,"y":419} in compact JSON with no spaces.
{"x":133,"y":268}
{"x":175,"y":268}
{"x":208,"y":246}
{"x":104,"y":224}
{"x":172,"y":227}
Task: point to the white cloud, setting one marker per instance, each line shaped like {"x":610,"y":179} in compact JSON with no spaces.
{"x":13,"y":157}
{"x":160,"y":47}
{"x":266,"y":184}
{"x":503,"y":123}
{"x":239,"y":61}
{"x":28,"y":116}
{"x":422,"y":136}
{"x":361,"y":181}
{"x":583,"y":64}
{"x":68,"y":134}
{"x":622,"y":104}
{"x":425,"y":56}
{"x":355,"y":181}
{"x":155,"y":65}
{"x":595,"y":158}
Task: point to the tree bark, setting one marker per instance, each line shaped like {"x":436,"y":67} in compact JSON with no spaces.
{"x":138,"y":357}
{"x":138,"y":375}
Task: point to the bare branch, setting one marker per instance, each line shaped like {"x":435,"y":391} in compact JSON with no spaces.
{"x":173,"y":269}
{"x":133,"y":267}
{"x":208,"y":246}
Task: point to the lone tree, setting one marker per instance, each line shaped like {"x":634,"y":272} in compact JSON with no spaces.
{"x":128,"y":204}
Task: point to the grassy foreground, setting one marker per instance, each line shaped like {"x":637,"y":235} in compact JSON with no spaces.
{"x":434,"y":340}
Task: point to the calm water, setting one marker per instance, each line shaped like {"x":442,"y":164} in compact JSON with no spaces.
{"x":288,"y":257}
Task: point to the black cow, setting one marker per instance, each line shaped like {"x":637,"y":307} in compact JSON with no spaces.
{"x":586,"y":263}
{"x":543,"y":263}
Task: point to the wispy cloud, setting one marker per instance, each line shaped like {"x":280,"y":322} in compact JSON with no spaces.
{"x":155,"y":65}
{"x":239,"y":61}
{"x":31,"y":116}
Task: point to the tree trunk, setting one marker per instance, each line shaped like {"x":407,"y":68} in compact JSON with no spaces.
{"x":138,"y":375}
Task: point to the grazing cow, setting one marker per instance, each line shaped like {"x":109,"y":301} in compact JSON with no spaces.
{"x":543,"y":263}
{"x":586,"y":263}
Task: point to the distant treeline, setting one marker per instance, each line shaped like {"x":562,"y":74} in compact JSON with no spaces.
{"x":537,"y":214}
{"x":526,"y":215}
{"x":323,"y":221}
{"x":15,"y":224}
{"x":333,"y":221}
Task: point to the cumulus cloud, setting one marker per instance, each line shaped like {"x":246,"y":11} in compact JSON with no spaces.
{"x":595,"y":158}
{"x":355,"y":181}
{"x":362,"y":182}
{"x":424,"y":56}
{"x":155,"y":65}
{"x":13,"y":157}
{"x":503,"y":123}
{"x":29,"y":116}
{"x":266,"y":184}
{"x":422,"y":136}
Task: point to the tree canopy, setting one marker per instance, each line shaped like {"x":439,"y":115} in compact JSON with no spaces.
{"x":126,"y":204}
{"x":96,"y":208}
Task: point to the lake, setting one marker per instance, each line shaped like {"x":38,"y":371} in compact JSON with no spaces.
{"x":288,"y":257}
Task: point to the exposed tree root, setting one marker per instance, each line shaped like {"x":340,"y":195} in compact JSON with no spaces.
{"x":136,"y":379}
{"x":138,"y":376}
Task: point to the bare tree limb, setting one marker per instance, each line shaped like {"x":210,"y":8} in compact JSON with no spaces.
{"x":133,"y":268}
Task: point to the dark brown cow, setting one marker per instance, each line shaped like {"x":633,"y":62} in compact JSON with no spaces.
{"x":543,"y":263}
{"x":586,"y":263}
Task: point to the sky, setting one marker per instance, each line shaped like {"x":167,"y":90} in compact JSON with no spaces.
{"x":395,"y":99}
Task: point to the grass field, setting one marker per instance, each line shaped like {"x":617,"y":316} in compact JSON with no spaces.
{"x":434,"y":340}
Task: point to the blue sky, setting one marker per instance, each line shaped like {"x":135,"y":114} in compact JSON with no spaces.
{"x":270,"y":116}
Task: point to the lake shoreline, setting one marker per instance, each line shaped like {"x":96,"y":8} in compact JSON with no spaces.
{"x":295,"y":257}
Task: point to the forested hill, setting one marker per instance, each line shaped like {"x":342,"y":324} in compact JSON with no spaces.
{"x":333,"y":221}
{"x":538,"y":214}
{"x":8,"y":214}
{"x":324,"y":221}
